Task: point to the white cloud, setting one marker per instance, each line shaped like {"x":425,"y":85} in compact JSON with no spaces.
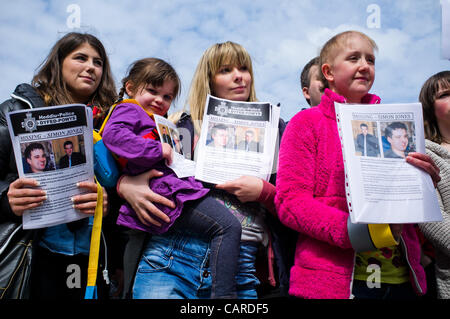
{"x":281,"y":36}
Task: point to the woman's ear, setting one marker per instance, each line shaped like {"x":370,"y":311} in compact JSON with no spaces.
{"x":129,"y":88}
{"x":327,"y":72}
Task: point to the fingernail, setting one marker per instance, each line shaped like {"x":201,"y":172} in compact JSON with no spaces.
{"x":72,"y":199}
{"x":37,"y":183}
{"x":78,"y":184}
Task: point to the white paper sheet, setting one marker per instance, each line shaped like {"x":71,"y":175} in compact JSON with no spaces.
{"x":381,"y":186}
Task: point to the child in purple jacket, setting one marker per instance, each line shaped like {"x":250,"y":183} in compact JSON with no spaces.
{"x":152,"y":84}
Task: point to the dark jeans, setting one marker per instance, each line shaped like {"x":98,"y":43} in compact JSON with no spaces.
{"x":385,"y":292}
{"x":50,"y":274}
{"x":209,"y":217}
{"x":54,"y":278}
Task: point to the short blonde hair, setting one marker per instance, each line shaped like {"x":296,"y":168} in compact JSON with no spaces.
{"x":332,"y":47}
{"x":219,"y":54}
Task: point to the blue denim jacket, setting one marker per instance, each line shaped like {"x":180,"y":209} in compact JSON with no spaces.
{"x":59,"y":239}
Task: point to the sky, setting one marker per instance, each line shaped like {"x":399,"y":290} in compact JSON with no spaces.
{"x":280,"y":36}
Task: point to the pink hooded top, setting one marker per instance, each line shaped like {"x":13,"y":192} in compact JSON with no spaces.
{"x":310,"y":198}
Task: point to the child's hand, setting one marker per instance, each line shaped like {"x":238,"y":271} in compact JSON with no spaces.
{"x":167,"y":153}
{"x":135,"y":190}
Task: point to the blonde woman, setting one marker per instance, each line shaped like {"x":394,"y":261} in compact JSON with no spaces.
{"x":225,"y":70}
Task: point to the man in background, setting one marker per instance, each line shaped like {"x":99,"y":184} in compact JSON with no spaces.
{"x":312,"y":86}
{"x":219,"y":135}
{"x":366,"y":143}
{"x":396,"y":134}
{"x":71,"y":158}
{"x":249,"y":144}
{"x":36,"y":158}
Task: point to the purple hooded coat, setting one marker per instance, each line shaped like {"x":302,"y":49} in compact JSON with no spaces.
{"x":123,"y":135}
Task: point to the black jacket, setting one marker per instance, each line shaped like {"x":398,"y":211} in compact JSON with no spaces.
{"x":26,"y":97}
{"x":23,"y":97}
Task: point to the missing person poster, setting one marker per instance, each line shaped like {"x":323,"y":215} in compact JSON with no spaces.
{"x":381,"y":187}
{"x":54,"y":146}
{"x":237,"y":138}
{"x":168,"y":133}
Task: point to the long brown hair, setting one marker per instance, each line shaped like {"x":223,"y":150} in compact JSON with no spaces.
{"x":48,"y":80}
{"x":216,"y":56}
{"x":427,"y":97}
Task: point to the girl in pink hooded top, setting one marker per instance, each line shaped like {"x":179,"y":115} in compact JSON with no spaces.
{"x":310,"y":196}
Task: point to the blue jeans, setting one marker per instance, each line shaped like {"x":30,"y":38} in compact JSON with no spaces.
{"x":175,"y":265}
{"x":208,"y":217}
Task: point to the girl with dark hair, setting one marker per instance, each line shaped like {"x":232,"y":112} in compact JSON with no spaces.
{"x":152,"y":84}
{"x":435,"y":99}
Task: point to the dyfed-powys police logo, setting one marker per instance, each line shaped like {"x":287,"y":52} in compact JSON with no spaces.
{"x":221,"y":109}
{"x":29,"y":123}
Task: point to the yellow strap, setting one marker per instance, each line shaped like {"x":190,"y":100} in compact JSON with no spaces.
{"x":381,"y":235}
{"x":111,"y":109}
{"x":95,"y":238}
{"x":100,"y":131}
{"x":97,"y":137}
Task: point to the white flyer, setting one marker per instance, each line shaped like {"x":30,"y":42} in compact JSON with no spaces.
{"x":169,"y":134}
{"x":381,"y":187}
{"x":54,"y":146}
{"x":237,"y":138}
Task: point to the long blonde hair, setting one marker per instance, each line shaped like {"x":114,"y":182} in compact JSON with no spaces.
{"x":219,"y":54}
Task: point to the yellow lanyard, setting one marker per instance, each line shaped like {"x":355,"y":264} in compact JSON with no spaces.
{"x":91,"y":291}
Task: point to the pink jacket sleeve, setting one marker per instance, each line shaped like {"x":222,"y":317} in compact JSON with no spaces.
{"x":267,"y":197}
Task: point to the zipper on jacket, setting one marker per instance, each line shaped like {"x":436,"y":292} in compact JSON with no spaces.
{"x":11,"y":236}
{"x":416,"y":282}
{"x":22,"y":99}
